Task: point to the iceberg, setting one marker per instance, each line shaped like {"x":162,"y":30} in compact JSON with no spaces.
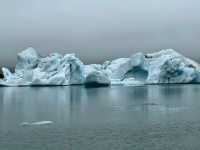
{"x":163,"y":67}
{"x":55,"y":69}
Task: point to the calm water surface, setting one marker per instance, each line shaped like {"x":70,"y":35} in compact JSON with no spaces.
{"x":108,"y":118}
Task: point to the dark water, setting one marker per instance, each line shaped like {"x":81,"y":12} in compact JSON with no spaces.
{"x":115,"y":118}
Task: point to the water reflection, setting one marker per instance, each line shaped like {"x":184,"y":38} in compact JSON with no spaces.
{"x":78,"y":105}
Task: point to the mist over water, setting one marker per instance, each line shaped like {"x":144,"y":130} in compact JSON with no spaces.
{"x":98,"y":30}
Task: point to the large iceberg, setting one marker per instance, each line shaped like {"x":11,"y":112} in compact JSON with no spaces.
{"x":163,"y":67}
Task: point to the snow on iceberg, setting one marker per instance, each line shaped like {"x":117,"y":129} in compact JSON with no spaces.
{"x":165,"y":66}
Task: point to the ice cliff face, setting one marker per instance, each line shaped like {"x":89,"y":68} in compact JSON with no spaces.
{"x":96,"y":75}
{"x":165,"y":66}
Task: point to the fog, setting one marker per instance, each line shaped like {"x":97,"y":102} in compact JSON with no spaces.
{"x":98,"y":30}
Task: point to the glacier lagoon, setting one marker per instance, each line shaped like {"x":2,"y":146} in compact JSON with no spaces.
{"x":155,"y":105}
{"x":149,"y":117}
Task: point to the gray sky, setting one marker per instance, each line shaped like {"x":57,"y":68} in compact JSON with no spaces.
{"x":98,"y":29}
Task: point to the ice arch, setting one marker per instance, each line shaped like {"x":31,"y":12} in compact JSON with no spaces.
{"x":138,"y":73}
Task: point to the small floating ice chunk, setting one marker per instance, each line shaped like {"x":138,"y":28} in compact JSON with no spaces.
{"x":36,"y":123}
{"x":42,"y":123}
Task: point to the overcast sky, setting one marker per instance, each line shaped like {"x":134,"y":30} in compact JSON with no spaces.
{"x":98,"y":29}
